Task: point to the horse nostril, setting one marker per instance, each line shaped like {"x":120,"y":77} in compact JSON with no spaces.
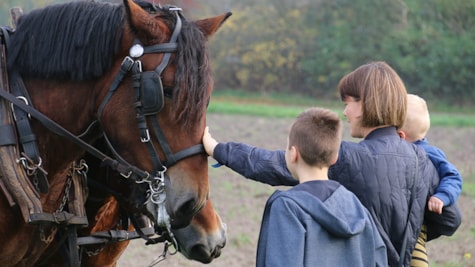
{"x":188,"y":208}
{"x":202,"y":254}
{"x":184,"y":212}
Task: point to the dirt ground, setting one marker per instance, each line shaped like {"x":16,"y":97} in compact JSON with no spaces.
{"x":240,"y":202}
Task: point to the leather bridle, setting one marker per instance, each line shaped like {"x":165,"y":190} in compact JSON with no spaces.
{"x":148,"y":102}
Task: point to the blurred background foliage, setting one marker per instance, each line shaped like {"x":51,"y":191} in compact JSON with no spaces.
{"x":304,"y":47}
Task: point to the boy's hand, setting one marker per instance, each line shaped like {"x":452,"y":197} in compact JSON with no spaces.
{"x":435,"y":205}
{"x":209,"y":142}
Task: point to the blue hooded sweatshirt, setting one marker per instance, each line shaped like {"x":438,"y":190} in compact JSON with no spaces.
{"x":323,"y":227}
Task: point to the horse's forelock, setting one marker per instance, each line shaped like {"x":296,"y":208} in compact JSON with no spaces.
{"x":193,"y":74}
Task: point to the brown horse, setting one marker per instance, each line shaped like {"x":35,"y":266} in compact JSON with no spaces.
{"x":143,"y":74}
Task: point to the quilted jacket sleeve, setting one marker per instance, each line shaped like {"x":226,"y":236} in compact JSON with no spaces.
{"x":258,"y":164}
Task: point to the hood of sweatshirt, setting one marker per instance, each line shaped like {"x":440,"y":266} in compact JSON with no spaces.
{"x":341,"y":214}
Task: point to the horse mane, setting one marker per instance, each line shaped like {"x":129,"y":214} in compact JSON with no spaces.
{"x":77,"y":41}
{"x":70,"y":41}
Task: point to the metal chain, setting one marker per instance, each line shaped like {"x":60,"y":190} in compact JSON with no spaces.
{"x":66,"y":194}
{"x":81,"y":169}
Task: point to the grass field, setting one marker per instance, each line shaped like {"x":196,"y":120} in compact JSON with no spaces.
{"x":285,"y":106}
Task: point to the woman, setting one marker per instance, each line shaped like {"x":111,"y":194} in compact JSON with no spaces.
{"x":380,"y":170}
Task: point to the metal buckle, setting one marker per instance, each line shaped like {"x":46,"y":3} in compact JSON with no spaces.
{"x":129,"y":61}
{"x":12,"y":106}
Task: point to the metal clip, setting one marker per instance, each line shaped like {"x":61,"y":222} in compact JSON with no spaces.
{"x":145,"y":139}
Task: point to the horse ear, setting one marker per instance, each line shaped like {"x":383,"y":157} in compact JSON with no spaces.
{"x":210,"y":25}
{"x":138,"y":19}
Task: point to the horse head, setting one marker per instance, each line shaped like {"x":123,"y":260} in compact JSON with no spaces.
{"x":154,"y":119}
{"x":143,"y":73}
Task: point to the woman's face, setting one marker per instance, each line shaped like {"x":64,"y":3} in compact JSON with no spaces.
{"x":353,"y":113}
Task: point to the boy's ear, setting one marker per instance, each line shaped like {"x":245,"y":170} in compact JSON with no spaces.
{"x":402,"y":134}
{"x":294,"y":154}
{"x":334,"y":160}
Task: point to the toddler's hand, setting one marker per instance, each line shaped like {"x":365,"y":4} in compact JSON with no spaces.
{"x":435,"y":205}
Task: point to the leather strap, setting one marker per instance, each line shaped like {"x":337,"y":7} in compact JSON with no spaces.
{"x":402,"y":253}
{"x":7,"y":135}
{"x":26,"y":136}
{"x":113,"y":236}
{"x":58,"y":218}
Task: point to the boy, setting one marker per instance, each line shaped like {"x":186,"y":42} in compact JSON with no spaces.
{"x":414,"y":130}
{"x":318,"y":222}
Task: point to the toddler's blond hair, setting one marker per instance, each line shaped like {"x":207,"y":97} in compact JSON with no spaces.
{"x":417,"y":121}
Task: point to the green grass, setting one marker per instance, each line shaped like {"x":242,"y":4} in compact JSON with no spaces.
{"x":468,"y":187}
{"x":253,"y":109}
{"x":289,"y":106}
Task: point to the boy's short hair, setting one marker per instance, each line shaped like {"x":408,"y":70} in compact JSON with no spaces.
{"x":417,"y":121}
{"x":317,"y":135}
{"x":381,"y":91}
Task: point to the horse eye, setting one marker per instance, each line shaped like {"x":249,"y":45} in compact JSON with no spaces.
{"x":168,"y":91}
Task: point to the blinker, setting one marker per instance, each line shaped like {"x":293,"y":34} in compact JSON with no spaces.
{"x":136,"y":51}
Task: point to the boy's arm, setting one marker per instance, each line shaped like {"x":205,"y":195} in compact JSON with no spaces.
{"x":450,"y":185}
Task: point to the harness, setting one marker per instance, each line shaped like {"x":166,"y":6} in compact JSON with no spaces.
{"x":149,"y":100}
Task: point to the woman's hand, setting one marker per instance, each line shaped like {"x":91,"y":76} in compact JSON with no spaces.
{"x":209,"y":142}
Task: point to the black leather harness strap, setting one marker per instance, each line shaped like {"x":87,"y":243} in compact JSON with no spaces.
{"x":64,"y":217}
{"x":7,"y":133}
{"x":26,"y":136}
{"x":59,"y":130}
{"x":113,"y":236}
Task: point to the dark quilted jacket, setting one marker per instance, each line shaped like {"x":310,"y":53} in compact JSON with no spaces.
{"x":380,"y":170}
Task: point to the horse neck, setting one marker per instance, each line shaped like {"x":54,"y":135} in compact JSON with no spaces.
{"x":71,"y":106}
